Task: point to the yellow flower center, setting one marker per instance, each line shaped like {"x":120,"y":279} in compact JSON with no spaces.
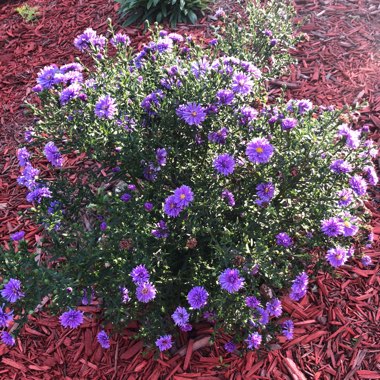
{"x":344,"y":198}
{"x":182,"y":196}
{"x":266,"y":190}
{"x":347,"y":224}
{"x":259,"y":149}
{"x":194,"y":113}
{"x":339,"y":257}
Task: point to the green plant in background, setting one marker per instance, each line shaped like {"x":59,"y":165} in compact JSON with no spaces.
{"x":175,"y":11}
{"x":28,"y":13}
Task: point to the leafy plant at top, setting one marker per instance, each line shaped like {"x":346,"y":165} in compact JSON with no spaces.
{"x":27,"y":12}
{"x":174,"y":11}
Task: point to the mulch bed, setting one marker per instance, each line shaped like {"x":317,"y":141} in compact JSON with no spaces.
{"x":337,"y":323}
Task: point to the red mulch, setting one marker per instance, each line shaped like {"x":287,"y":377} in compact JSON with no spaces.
{"x":337,"y":333}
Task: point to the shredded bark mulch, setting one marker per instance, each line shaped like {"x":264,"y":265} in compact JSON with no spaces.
{"x":337,"y":334}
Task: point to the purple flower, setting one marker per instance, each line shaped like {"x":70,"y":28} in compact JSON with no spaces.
{"x":171,"y":206}
{"x":46,"y":75}
{"x":345,"y":197}
{"x":183,"y":196}
{"x":71,"y":318}
{"x":164,"y":44}
{"x":161,"y":231}
{"x":299,"y":287}
{"x":180,"y":316}
{"x":103,"y":339}
{"x":197,"y":297}
{"x":83,"y":41}
{"x":12,"y":290}
{"x":37,"y":88}
{"x":341,"y":166}
{"x":148,"y":206}
{"x":218,"y":137}
{"x":175,"y":37}
{"x":124,"y":294}
{"x":220,"y":13}
{"x":265,"y":191}
{"x":53,"y":155}
{"x":73,"y":66}
{"x":371,"y":175}
{"x":152,"y":102}
{"x":23,"y":156}
{"x":150,"y":172}
{"x":164,"y":342}
{"x":251,"y":68}
{"x":358,"y":185}
{"x":17,"y":236}
{"x":274,"y":307}
{"x":349,"y":227}
{"x":246,"y":115}
{"x":200,"y":68}
{"x":126,"y":197}
{"x":336,"y":256}
{"x":259,"y":151}
{"x":186,"y":327}
{"x":254,"y":340}
{"x":191,"y":113}
{"x":103,"y":226}
{"x":120,"y":39}
{"x":28,"y":177}
{"x":5,"y":317}
{"x":139,"y":274}
{"x":105,"y":107}
{"x":229,"y":197}
{"x":28,"y":135}
{"x":241,"y":83}
{"x":7,"y":339}
{"x":273,"y":42}
{"x":332,"y":227}
{"x":287,"y":329}
{"x":161,"y":156}
{"x":288,"y":123}
{"x":225,"y":97}
{"x":252,"y":302}
{"x":37,"y":195}
{"x":366,"y":260}
{"x":284,"y":239}
{"x":264,"y":315}
{"x":229,"y":280}
{"x":230,"y":346}
{"x":352,"y":137}
{"x":70,"y":92}
{"x":146,"y":292}
{"x":224,"y":164}
{"x":304,"y":106}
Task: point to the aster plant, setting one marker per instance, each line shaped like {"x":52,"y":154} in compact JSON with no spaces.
{"x":195,"y":193}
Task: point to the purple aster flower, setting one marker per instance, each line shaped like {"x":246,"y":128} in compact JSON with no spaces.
{"x":161,"y":231}
{"x":259,"y":151}
{"x":186,"y":327}
{"x":105,"y":107}
{"x":12,"y":290}
{"x":218,"y":137}
{"x":230,"y":346}
{"x":341,"y":166}
{"x":252,"y":302}
{"x":225,"y":97}
{"x":350,"y":252}
{"x":287,"y":329}
{"x":125,"y":298}
{"x":241,"y":83}
{"x":126,"y":197}
{"x":224,"y":164}
{"x":366,"y":260}
{"x":71,"y":318}
{"x":273,"y":42}
{"x":254,"y":340}
{"x":164,"y":44}
{"x":146,"y":292}
{"x":183,"y":196}
{"x":268,"y":33}
{"x":229,"y":280}
{"x":150,"y":172}
{"x":264,"y":315}
{"x":246,"y":115}
{"x":352,"y":137}
{"x":229,"y":197}
{"x":152,"y":102}
{"x":53,"y":155}
{"x":69,"y":93}
{"x":349,"y":226}
{"x":265,"y":191}
{"x":304,"y":106}
{"x":37,"y":195}
{"x":139,"y":274}
{"x":161,"y":156}
{"x":127,"y":123}
{"x":73,"y":66}
{"x":332,"y":227}
{"x":191,"y":113}
{"x":200,"y":68}
{"x":175,"y":37}
{"x":213,"y":42}
{"x":28,"y":135}
{"x":7,"y":339}
{"x":180,"y":316}
{"x":28,"y":177}
{"x":103,"y":339}
{"x":197,"y":297}
{"x":17,"y":236}
{"x":358,"y":185}
{"x":164,"y":342}
{"x":46,"y":75}
{"x":299,"y":287}
{"x":5,"y":317}
{"x":274,"y":307}
{"x":120,"y":39}
{"x":83,"y":41}
{"x":37,"y":88}
{"x":171,"y":206}
{"x":163,"y":33}
{"x":249,"y":67}
{"x":288,"y":123}
{"x":371,"y":175}
{"x":336,"y":256}
{"x":103,"y":226}
{"x":148,"y":206}
{"x":345,"y":197}
{"x":284,"y":239}
{"x":220,"y":13}
{"x":23,"y":156}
